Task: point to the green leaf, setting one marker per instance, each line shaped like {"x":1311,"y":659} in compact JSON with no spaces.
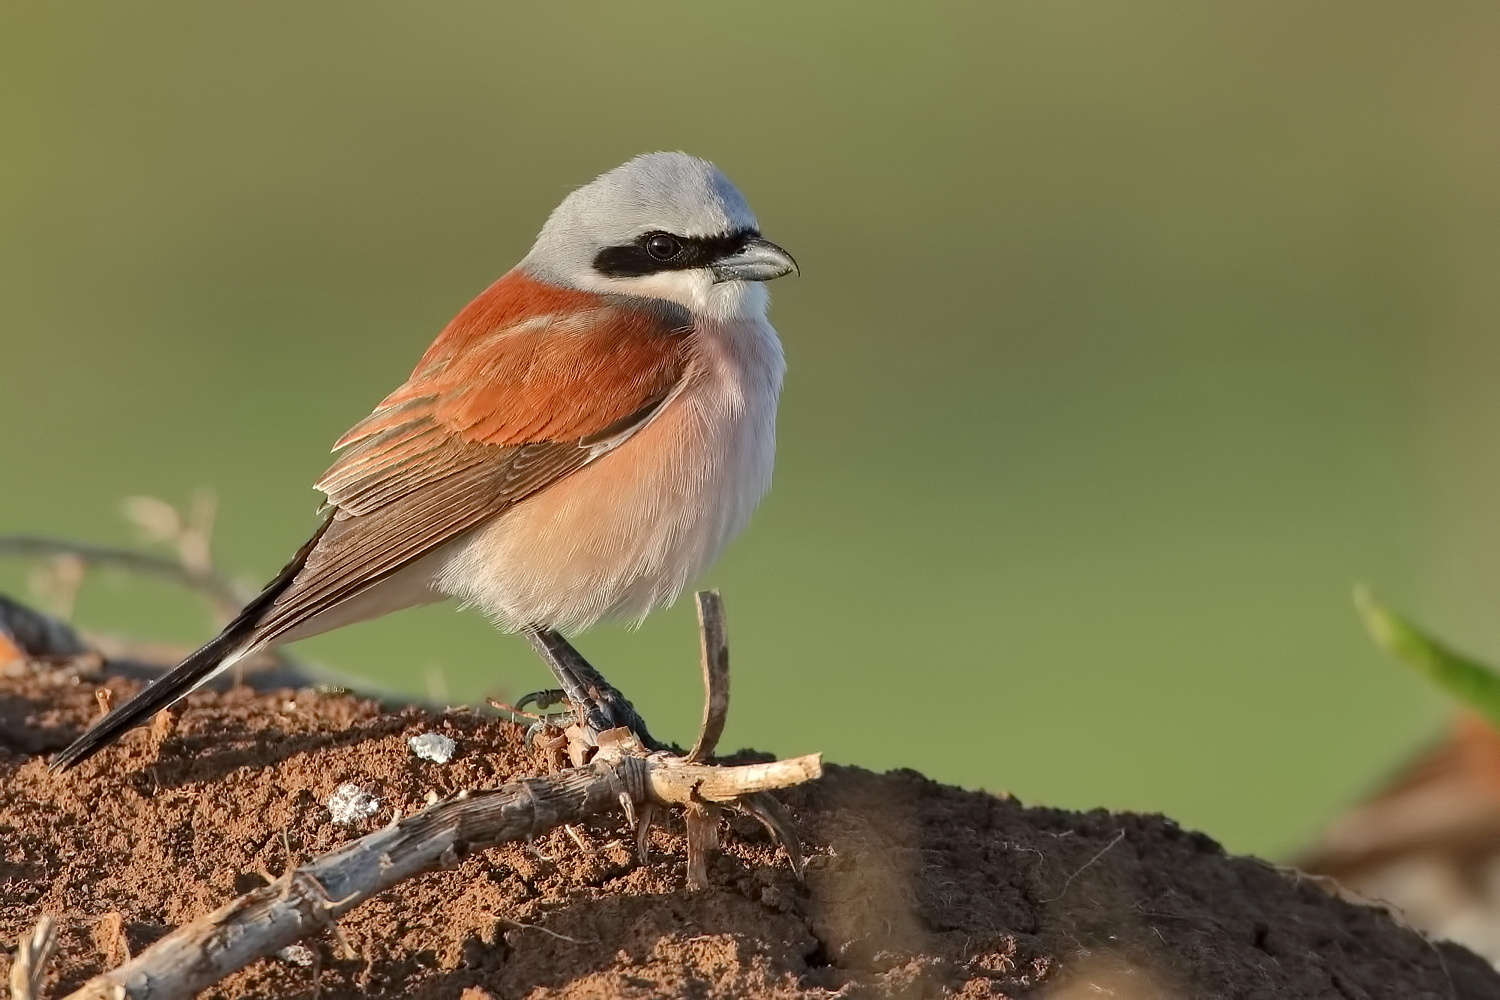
{"x":1468,"y":680}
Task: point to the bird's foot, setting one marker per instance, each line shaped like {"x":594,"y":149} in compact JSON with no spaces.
{"x":573,"y":735}
{"x":542,"y":728}
{"x":603,"y":728}
{"x":597,"y":705}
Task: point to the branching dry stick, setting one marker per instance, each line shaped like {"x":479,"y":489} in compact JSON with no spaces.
{"x":310,"y":898}
{"x":227,"y":599}
{"x":622,"y":774}
{"x":193,"y":568}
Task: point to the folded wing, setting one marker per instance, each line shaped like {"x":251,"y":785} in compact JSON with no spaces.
{"x":526,"y":385}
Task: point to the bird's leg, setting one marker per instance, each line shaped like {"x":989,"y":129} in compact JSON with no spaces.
{"x":599,"y":703}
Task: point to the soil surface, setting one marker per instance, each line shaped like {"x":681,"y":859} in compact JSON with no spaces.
{"x":913,"y":889}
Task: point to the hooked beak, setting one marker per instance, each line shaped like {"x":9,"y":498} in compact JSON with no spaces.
{"x":757,"y":260}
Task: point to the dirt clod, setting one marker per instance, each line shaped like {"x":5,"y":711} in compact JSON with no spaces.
{"x":913,"y":889}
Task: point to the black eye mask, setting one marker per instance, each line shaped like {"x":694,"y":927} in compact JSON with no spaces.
{"x":656,"y":251}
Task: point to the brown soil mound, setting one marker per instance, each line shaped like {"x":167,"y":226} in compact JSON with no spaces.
{"x":913,"y":888}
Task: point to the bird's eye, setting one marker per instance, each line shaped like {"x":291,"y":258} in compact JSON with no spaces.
{"x":663,"y":247}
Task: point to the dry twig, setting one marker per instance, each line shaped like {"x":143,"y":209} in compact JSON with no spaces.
{"x":622,"y":774}
{"x":309,"y":898}
{"x":714,"y":651}
{"x":188,"y":533}
{"x":226,"y":598}
{"x":31,"y":961}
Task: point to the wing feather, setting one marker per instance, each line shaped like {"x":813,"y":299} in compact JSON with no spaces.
{"x":525,"y":386}
{"x":528,"y":384}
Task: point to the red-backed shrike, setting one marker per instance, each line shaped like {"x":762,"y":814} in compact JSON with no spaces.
{"x":580,"y":442}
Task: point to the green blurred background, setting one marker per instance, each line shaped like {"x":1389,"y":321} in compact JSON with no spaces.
{"x":1129,"y":337}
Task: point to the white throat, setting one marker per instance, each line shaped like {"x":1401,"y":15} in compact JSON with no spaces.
{"x":723,"y":301}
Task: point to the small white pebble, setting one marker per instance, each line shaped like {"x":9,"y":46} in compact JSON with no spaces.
{"x":433,"y":746}
{"x":297,"y":954}
{"x":350,"y":803}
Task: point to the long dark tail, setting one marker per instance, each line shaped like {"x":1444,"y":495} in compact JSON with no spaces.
{"x":181,"y":680}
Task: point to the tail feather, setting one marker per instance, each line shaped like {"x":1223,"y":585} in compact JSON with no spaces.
{"x":237,"y":638}
{"x":161,"y":693}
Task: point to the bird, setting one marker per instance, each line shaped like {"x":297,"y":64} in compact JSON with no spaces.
{"x":579,"y":443}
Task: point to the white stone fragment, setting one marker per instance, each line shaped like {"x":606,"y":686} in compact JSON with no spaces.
{"x":433,"y":746}
{"x":350,"y":803}
{"x":297,"y":954}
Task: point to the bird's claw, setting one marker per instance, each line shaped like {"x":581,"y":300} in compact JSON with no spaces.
{"x":543,"y":699}
{"x":536,"y":732}
{"x":536,"y":724}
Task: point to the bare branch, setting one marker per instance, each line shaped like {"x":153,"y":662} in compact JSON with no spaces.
{"x":622,"y":774}
{"x":227,"y":598}
{"x":308,"y":899}
{"x":714,"y":652}
{"x":683,"y":783}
